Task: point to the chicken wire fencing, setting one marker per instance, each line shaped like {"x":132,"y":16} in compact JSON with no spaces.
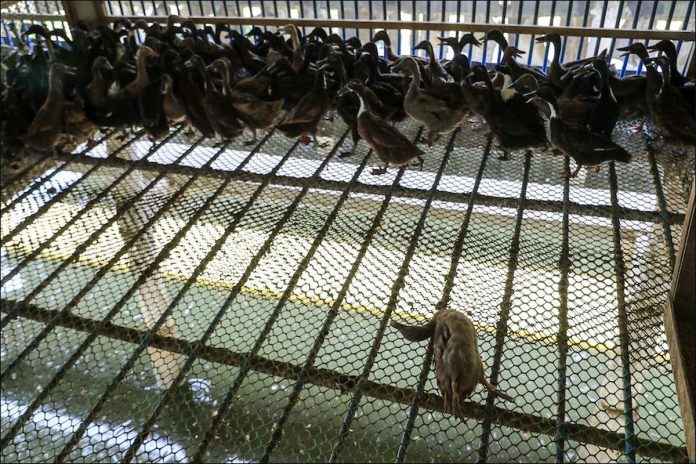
{"x":182,"y":301}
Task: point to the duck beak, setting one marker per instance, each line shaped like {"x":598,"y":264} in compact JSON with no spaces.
{"x":543,"y":38}
{"x":441,"y":40}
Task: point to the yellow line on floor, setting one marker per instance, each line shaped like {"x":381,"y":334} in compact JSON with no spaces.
{"x":412,"y":317}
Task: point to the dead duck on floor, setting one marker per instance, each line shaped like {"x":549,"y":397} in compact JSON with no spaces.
{"x":587,"y":148}
{"x":390,"y":145}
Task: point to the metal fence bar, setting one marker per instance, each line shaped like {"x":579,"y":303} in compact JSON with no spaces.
{"x":544,"y":64}
{"x":130,"y":454}
{"x":651,"y":23}
{"x":60,"y":195}
{"x":9,"y":437}
{"x":564,"y":266}
{"x":86,"y":207}
{"x":302,"y":378}
{"x":19,"y":176}
{"x":247,"y":362}
{"x":409,"y":192}
{"x":639,"y":34}
{"x":569,"y":14}
{"x":689,"y":9}
{"x":584,"y":25}
{"x":39,"y":182}
{"x":620,"y":271}
{"x":444,"y":301}
{"x":616,"y":26}
{"x":95,"y":279}
{"x":396,"y":288}
{"x":143,"y":343}
{"x":502,"y":325}
{"x":147,"y":427}
{"x":347,"y":383}
{"x":662,"y":203}
{"x":601,"y":25}
{"x":485,"y":42}
{"x":636,"y":15}
{"x":530,"y":54}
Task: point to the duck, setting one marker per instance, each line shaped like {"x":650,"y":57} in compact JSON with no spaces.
{"x":297,"y":54}
{"x":173,"y":107}
{"x":305,"y":116}
{"x":585,"y":147}
{"x":687,"y":87}
{"x":514,"y":124}
{"x":142,"y":79}
{"x":216,"y":102}
{"x":390,"y":145}
{"x":671,"y":114}
{"x":434,"y":113}
{"x":435,"y":70}
{"x":255,"y":113}
{"x":44,"y":132}
{"x":392,"y":58}
{"x":606,"y":112}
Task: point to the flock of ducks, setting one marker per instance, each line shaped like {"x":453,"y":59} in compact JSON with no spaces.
{"x":220,"y":82}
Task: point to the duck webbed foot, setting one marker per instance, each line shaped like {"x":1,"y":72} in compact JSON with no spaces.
{"x":379,"y":171}
{"x":122,"y":136}
{"x":637,"y":128}
{"x":351,"y":152}
{"x":419,"y":163}
{"x":568,"y":175}
{"x":91,"y":143}
{"x":505,"y":156}
{"x":253,"y":140}
{"x":190,"y":133}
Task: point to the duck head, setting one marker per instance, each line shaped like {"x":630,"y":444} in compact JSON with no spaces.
{"x":525,"y":84}
{"x":406,"y":66}
{"x":497,"y":36}
{"x":665,"y":46}
{"x":636,"y":48}
{"x":553,"y":37}
{"x":383,"y":36}
{"x":354,"y":43}
{"x":424,"y":45}
{"x":469,"y":39}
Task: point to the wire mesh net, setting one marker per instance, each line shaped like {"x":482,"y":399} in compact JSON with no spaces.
{"x":181,"y":300}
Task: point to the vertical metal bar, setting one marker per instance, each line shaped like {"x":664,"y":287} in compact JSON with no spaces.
{"x":619,"y":269}
{"x":246,"y":363}
{"x":39,"y":182}
{"x":328,"y":14}
{"x":519,"y":21}
{"x":684,"y":26}
{"x":651,"y":23}
{"x":636,"y":15}
{"x":270,"y":322}
{"x":531,"y":40}
{"x":398,"y":32}
{"x":442,"y":304}
{"x":84,"y":209}
{"x":58,"y":197}
{"x":442,"y":19}
{"x":95,"y":279}
{"x":504,"y":21}
{"x":343,"y":16}
{"x":473,"y":21}
{"x":428,"y":16}
{"x":357,"y":31}
{"x":413,"y":32}
{"x":43,"y":394}
{"x":485,"y":42}
{"x":569,"y":15}
{"x":601,"y":25}
{"x":664,"y":214}
{"x":502,"y":325}
{"x":562,"y":340}
{"x":584,"y":24}
{"x":544,"y":63}
{"x":395,"y":290}
{"x":616,"y":26}
{"x":369,"y":12}
{"x":331,"y":315}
